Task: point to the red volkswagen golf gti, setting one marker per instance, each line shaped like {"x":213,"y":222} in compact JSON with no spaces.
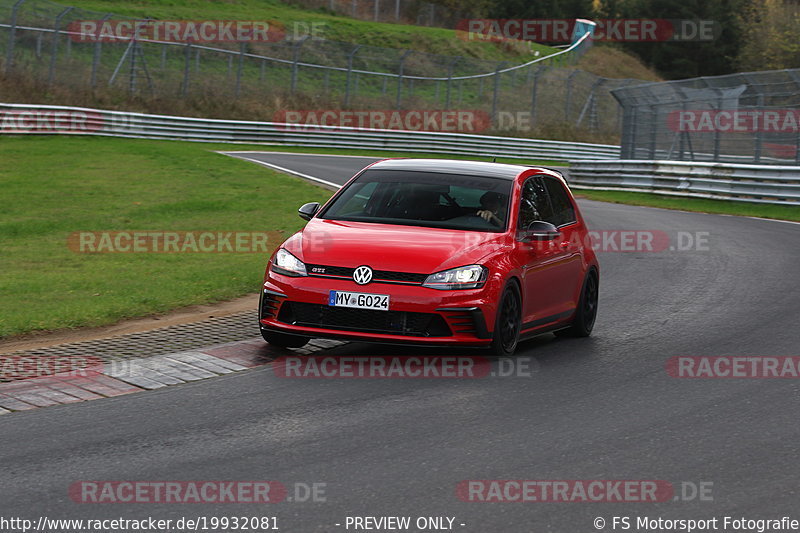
{"x":435,"y":252}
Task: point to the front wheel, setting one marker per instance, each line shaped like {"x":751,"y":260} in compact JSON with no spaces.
{"x":508,"y":322}
{"x":282,"y":340}
{"x":586,"y":313}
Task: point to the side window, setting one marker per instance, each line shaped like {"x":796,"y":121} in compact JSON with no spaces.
{"x":535,"y":203}
{"x":563,"y":210}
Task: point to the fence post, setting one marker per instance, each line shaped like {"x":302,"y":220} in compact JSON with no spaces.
{"x":630,"y":149}
{"x":589,"y":106}
{"x":350,"y":57}
{"x":796,"y":78}
{"x":186,"y":68}
{"x":450,"y":68}
{"x":97,"y":50}
{"x":11,"y":35}
{"x":568,"y":102}
{"x":593,"y":123}
{"x":534,"y":92}
{"x":132,"y":79}
{"x":797,"y":147}
{"x":54,"y":53}
{"x":653,"y":130}
{"x":239,"y":67}
{"x":500,"y":65}
{"x":295,"y":59}
{"x":759,"y":134}
{"x":397,"y":10}
{"x":399,"y":98}
{"x":377,"y":9}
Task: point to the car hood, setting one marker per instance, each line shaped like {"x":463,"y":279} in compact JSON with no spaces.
{"x":391,"y":247}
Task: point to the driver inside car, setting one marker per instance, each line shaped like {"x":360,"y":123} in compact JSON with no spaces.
{"x":493,"y":208}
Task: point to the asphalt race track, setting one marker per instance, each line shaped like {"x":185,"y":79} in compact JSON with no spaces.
{"x":598,"y":408}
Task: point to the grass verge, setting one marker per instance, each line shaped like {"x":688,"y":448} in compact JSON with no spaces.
{"x":54,"y":186}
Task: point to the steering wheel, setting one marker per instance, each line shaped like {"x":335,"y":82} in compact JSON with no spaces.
{"x":487,"y":223}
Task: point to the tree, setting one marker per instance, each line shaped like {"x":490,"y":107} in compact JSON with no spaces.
{"x":770,"y":34}
{"x":692,"y":58}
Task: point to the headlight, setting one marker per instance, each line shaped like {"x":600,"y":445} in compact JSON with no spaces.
{"x":288,"y":265}
{"x":466,"y":277}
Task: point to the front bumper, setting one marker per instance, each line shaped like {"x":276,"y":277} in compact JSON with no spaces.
{"x":417,"y":315}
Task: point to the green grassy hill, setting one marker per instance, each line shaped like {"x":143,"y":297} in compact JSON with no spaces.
{"x":337,"y":28}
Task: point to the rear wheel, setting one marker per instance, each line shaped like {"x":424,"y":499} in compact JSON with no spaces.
{"x":586,"y":313}
{"x":508,"y":322}
{"x":282,"y":340}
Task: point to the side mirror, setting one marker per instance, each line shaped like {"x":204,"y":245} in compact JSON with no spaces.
{"x":308,"y":210}
{"x":539,"y":230}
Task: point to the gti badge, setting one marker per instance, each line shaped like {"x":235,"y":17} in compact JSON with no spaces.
{"x":362,"y":275}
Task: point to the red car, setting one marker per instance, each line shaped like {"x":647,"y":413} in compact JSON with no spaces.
{"x":435,"y":252}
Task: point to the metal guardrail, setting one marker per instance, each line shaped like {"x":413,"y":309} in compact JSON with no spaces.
{"x":770,"y":184}
{"x":591,"y":165}
{"x":47,"y":119}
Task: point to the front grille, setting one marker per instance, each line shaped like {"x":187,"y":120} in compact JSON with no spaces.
{"x":364,"y":320}
{"x":377,"y":275}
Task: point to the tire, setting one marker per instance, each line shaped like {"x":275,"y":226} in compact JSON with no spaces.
{"x":282,"y":340}
{"x":586,"y":314}
{"x":507,"y":322}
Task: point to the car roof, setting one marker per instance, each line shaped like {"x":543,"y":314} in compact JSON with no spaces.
{"x":457,"y":166}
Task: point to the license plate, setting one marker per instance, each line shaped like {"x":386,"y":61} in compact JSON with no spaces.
{"x":359,"y":300}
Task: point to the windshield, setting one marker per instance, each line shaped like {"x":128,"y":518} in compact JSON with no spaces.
{"x":473,"y":203}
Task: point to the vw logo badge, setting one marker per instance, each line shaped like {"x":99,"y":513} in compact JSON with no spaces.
{"x":362,"y":275}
